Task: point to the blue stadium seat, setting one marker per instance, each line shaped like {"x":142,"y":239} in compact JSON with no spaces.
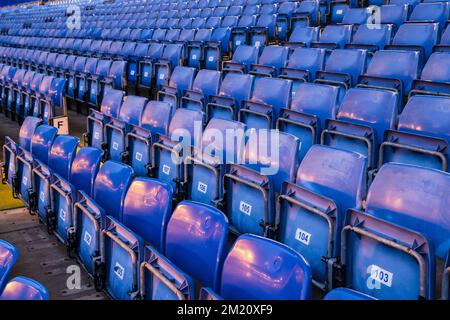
{"x":146,"y":69}
{"x":217,"y":47}
{"x":195,"y":48}
{"x":394,"y":14}
{"x":241,"y":61}
{"x":406,"y":229}
{"x":393,"y":70}
{"x":371,"y":37}
{"x":357,"y":16}
{"x":271,"y":61}
{"x":206,"y":84}
{"x":234,"y":90}
{"x":154,"y":122}
{"x":437,"y":12}
{"x":264,"y":31}
{"x":363,"y":117}
{"x":185,"y":129}
{"x":434,"y":79}
{"x":269,"y":96}
{"x":172,"y":57}
{"x":334,"y":36}
{"x":303,"y":36}
{"x":284,"y":16}
{"x":64,"y":190}
{"x":205,"y":169}
{"x":309,"y":109}
{"x":422,"y":136}
{"x":253,"y":256}
{"x":239,"y":34}
{"x":346,"y":294}
{"x":60,"y":158}
{"x":22,"y":288}
{"x":306,"y":14}
{"x":116,"y":129}
{"x":181,"y":80}
{"x":270,"y":158}
{"x":41,"y":143}
{"x":110,"y":107}
{"x":444,"y":44}
{"x":195,"y":248}
{"x":8,"y":258}
{"x":312,"y":210}
{"x":89,"y":213}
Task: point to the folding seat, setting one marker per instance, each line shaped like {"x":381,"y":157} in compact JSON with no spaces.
{"x":185,"y":23}
{"x":234,"y":11}
{"x":40,"y":63}
{"x":408,"y":236}
{"x":307,"y":14}
{"x":216,"y":48}
{"x":41,"y":143}
{"x":81,"y":78}
{"x":135,"y":35}
{"x":64,"y":191}
{"x":220,"y":11}
{"x":109,"y":108}
{"x":284,"y":15}
{"x":334,"y":36}
{"x":154,"y":122}
{"x":181,"y":80}
{"x":249,"y":188}
{"x":223,"y":143}
{"x":206,"y":12}
{"x":303,"y":36}
{"x":146,"y":56}
{"x":444,"y":44}
{"x":50,"y":61}
{"x":23,"y":288}
{"x":172,"y":35}
{"x":205,"y":85}
{"x":346,"y":294}
{"x":195,"y":48}
{"x":60,"y":158}
{"x":161,"y":23}
{"x":271,"y":61}
{"x":241,"y":61}
{"x":437,"y":12}
{"x":434,"y":79}
{"x":393,"y":70}
{"x":343,"y":68}
{"x":250,"y":9}
{"x":187,"y":35}
{"x":31,"y":96}
{"x":358,"y":16}
{"x":363,"y":117}
{"x":13,"y":96}
{"x":239,"y":34}
{"x":421,"y":37}
{"x":255,"y":255}
{"x":94,"y":50}
{"x":6,"y":76}
{"x":146,"y":35}
{"x":185,"y":130}
{"x":140,"y":217}
{"x":104,"y":48}
{"x":422,"y":136}
{"x":234,"y":90}
{"x":172,"y":57}
{"x":264,"y":32}
{"x":116,"y":129}
{"x":90,"y":213}
{"x":371,"y":38}
{"x":58,"y":67}
{"x":269,"y":96}
{"x":115,"y":50}
{"x":159,"y":35}
{"x":8,"y":258}
{"x":325,"y":194}
{"x":73,"y":69}
{"x":96,"y":81}
{"x":172,"y":274}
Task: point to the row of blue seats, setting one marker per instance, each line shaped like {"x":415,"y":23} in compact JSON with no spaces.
{"x":320,"y":216}
{"x":24,"y":92}
{"x":17,"y":288}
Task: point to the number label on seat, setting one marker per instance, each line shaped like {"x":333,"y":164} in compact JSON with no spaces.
{"x":138,"y":156}
{"x":119,"y":271}
{"x":302,"y":236}
{"x":245,"y":208}
{"x":166,"y":169}
{"x":202,"y":187}
{"x":115,"y":145}
{"x":87,"y":238}
{"x":62,"y":215}
{"x":381,"y":275}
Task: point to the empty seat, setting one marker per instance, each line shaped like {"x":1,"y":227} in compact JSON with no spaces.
{"x":431,"y":12}
{"x":194,"y":251}
{"x":115,"y":131}
{"x":205,"y":169}
{"x":269,"y":96}
{"x":435,"y":78}
{"x":22,"y":288}
{"x":371,"y":38}
{"x":172,"y":56}
{"x":333,"y":37}
{"x":271,"y":61}
{"x":363,"y":117}
{"x":254,"y":256}
{"x":8,"y":258}
{"x":90,"y":212}
{"x":181,"y":80}
{"x":422,"y":135}
{"x":216,"y":48}
{"x":234,"y":90}
{"x":308,"y":111}
{"x":242,"y":59}
{"x":270,"y":158}
{"x":312,"y":210}
{"x":206,"y":84}
{"x":391,"y":69}
{"x":155,"y":121}
{"x":64,"y":190}
{"x":306,"y":14}
{"x":405,"y":226}
{"x":264,"y":31}
{"x":303,"y":36}
{"x":149,"y":56}
{"x":394,"y":14}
